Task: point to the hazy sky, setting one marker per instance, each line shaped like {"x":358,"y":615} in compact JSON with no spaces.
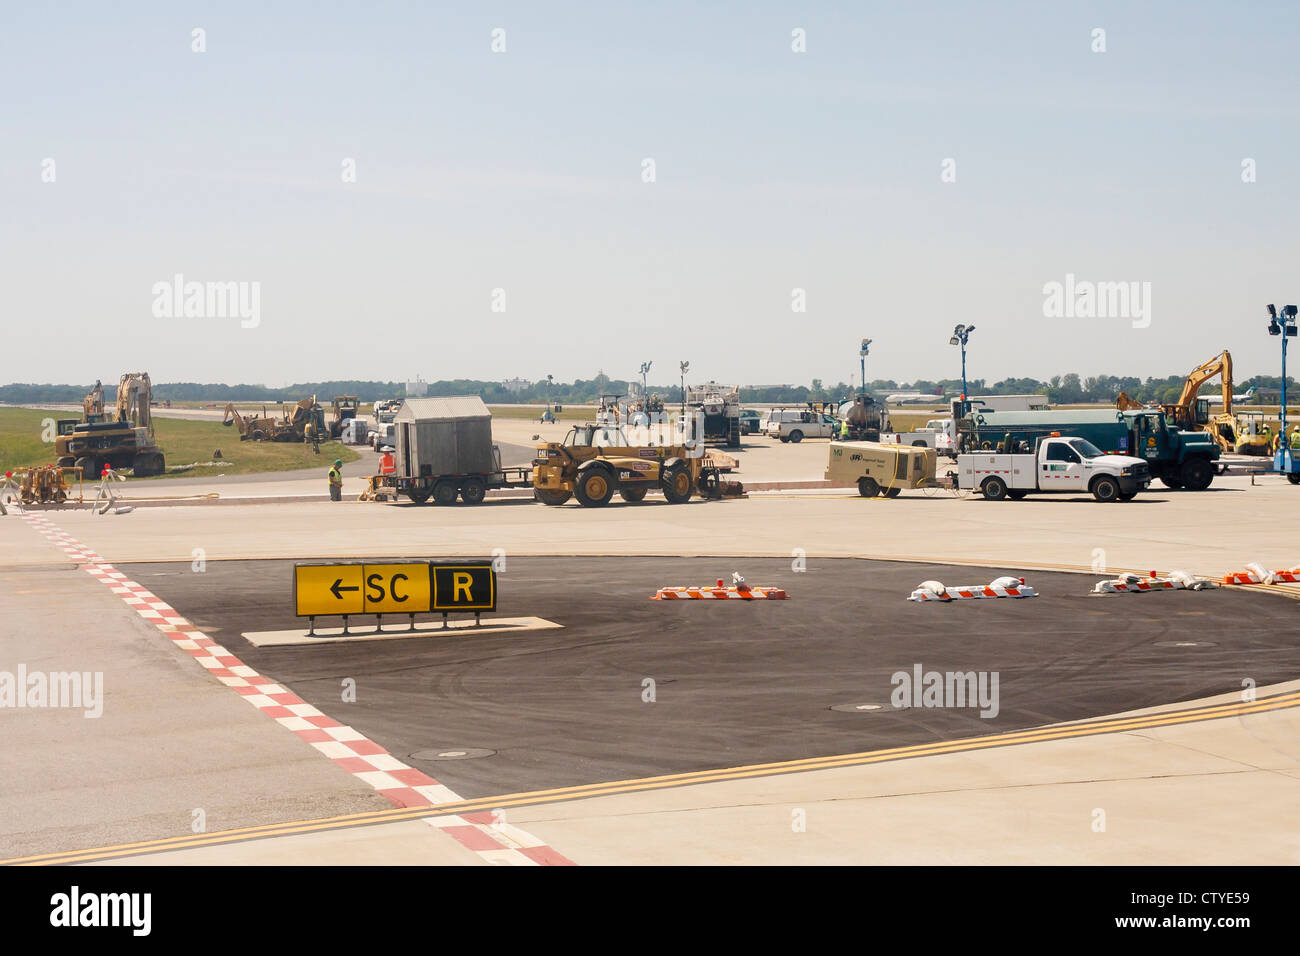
{"x":523,"y":171}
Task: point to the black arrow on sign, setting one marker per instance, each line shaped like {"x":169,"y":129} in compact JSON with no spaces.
{"x":335,"y":589}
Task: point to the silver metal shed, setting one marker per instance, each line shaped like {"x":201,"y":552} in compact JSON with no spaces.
{"x":451,"y":435}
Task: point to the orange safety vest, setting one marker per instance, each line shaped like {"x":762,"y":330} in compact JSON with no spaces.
{"x":386,"y":464}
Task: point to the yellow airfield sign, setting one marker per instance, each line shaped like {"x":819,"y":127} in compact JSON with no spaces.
{"x":404,"y":588}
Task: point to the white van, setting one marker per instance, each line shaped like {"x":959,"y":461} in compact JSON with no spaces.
{"x":796,"y":424}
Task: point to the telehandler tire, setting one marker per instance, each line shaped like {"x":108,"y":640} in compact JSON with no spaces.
{"x":549,"y":496}
{"x":594,"y":488}
{"x":632,"y":495}
{"x":676,"y":482}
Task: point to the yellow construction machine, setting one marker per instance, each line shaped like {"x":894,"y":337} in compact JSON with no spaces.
{"x":1192,"y":413}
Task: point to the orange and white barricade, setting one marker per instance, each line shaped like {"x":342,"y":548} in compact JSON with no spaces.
{"x":1258,"y":574}
{"x":1007,"y":587}
{"x":1130,"y":583}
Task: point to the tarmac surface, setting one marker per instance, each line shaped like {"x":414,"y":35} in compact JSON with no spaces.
{"x":733,"y":683}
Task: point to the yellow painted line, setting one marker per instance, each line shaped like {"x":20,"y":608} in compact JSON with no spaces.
{"x":586,"y":791}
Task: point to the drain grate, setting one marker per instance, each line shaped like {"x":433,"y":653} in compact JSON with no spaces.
{"x":452,"y":753}
{"x":857,"y":708}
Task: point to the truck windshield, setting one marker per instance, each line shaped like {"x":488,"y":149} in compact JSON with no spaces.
{"x":1086,"y":448}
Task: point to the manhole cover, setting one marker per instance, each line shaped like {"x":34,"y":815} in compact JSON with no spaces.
{"x":452,"y":753}
{"x":857,"y":708}
{"x":1186,"y":644}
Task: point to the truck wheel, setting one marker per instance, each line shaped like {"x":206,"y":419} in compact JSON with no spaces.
{"x":868,"y":488}
{"x":1016,"y":495}
{"x":784,"y":438}
{"x":1197,"y":474}
{"x":632,"y":495}
{"x":548,"y":496}
{"x":444,"y":493}
{"x":892,"y":492}
{"x":1294,"y":479}
{"x":1172,"y":482}
{"x":1127,"y":496}
{"x":994,"y":489}
{"x":919,"y":444}
{"x":1105,"y":488}
{"x":594,"y":488}
{"x":418,"y":495}
{"x":796,"y":436}
{"x":473,"y":491}
{"x":676,"y":483}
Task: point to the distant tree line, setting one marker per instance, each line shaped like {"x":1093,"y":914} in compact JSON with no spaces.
{"x":1060,"y":390}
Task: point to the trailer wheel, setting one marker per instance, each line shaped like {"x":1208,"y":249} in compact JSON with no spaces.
{"x":418,"y":495}
{"x":676,"y":483}
{"x":868,"y":488}
{"x":594,"y":488}
{"x":548,"y":496}
{"x":473,"y":491}
{"x":444,"y":493}
{"x":796,"y":436}
{"x":1197,"y":473}
{"x":994,"y":489}
{"x":1105,"y":488}
{"x":1294,"y":479}
{"x":632,"y":495}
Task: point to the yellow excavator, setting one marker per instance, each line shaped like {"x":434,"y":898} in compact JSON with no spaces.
{"x":1192,"y":413}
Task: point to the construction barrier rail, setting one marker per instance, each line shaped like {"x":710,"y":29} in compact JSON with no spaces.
{"x":720,"y":593}
{"x":1258,"y":574}
{"x":999,"y":588}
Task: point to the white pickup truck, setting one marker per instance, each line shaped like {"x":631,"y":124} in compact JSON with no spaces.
{"x":938,"y":433}
{"x":1058,"y":466}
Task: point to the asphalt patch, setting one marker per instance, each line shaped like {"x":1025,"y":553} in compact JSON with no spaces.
{"x":632,"y":687}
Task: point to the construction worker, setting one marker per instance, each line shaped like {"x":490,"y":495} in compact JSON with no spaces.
{"x":336,"y":480}
{"x":844,"y":429}
{"x":387,"y":465}
{"x":1295,"y":438}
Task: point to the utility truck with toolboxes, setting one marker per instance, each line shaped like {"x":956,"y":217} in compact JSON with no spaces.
{"x":445,"y":450}
{"x":1180,"y":459}
{"x":1058,"y":465}
{"x":880,"y":468}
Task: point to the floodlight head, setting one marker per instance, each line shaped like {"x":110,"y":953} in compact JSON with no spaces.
{"x":953,"y":341}
{"x":1274,"y":328}
{"x":1289,"y":311}
{"x":970,"y":329}
{"x":958,"y":330}
{"x":1272,"y":310}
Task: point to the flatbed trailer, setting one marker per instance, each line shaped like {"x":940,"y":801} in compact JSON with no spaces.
{"x":444,"y":489}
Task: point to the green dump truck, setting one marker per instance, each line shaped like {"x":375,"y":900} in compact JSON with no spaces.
{"x":1178,"y":458}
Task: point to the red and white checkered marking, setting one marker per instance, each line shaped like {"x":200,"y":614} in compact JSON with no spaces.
{"x":484,"y":833}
